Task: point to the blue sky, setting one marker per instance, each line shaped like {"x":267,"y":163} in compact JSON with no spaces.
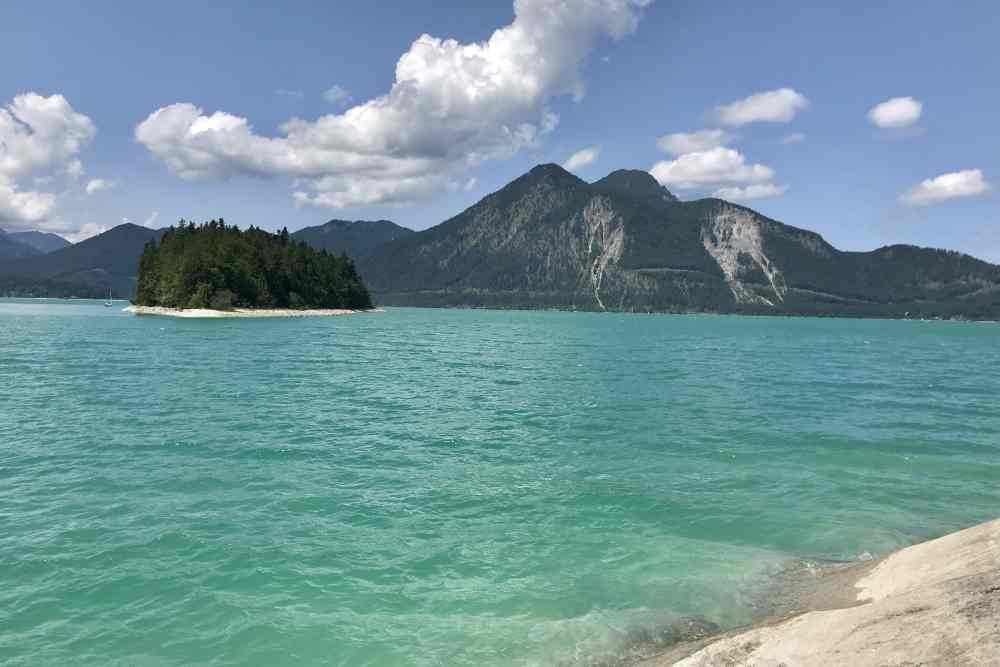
{"x":618,"y":76}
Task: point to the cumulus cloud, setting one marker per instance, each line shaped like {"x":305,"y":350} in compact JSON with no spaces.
{"x":967,"y":183}
{"x":452,"y":106}
{"x":83,"y":232}
{"x":581,"y":158}
{"x":98,"y":184}
{"x":23,"y":206}
{"x":338,"y":96}
{"x":773,"y":106}
{"x":680,"y":143}
{"x":759,"y":191}
{"x":39,"y":137}
{"x":718,"y":166}
{"x":897,"y":113}
{"x":794,"y":138}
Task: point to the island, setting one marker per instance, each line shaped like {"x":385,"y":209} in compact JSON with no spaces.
{"x":219,"y":270}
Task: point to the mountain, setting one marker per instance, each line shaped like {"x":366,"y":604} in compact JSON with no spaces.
{"x":41,"y":241}
{"x":13,"y":249}
{"x":88,"y":268}
{"x":550,"y":239}
{"x":635,"y":184}
{"x":356,"y":238}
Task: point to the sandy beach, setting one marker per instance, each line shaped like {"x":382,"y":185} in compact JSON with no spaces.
{"x":935,"y":603}
{"x":204,"y":313}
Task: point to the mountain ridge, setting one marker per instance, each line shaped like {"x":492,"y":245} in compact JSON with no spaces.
{"x":551,"y":240}
{"x":44,"y":242}
{"x":12,"y":249}
{"x":89,"y":268}
{"x":355,"y":238}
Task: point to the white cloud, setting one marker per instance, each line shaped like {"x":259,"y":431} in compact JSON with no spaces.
{"x":84,"y":231}
{"x":470,"y":184}
{"x":151,"y":220}
{"x":338,"y":96}
{"x":39,"y":137}
{"x":18,"y":206}
{"x":773,"y":106}
{"x":794,"y":138}
{"x":718,"y":166}
{"x":452,"y":106}
{"x":98,"y":184}
{"x":967,"y":183}
{"x":692,"y":142}
{"x":899,"y":112}
{"x":75,"y":170}
{"x":582,"y":158}
{"x":759,"y":191}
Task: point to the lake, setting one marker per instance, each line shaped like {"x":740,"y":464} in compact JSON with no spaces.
{"x":459,"y":487}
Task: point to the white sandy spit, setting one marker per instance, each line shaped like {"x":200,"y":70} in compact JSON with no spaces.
{"x":204,"y":313}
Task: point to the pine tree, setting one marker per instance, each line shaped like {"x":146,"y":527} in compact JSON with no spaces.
{"x":218,"y":266}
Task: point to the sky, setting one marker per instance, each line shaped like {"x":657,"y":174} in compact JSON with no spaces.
{"x":870,"y":123}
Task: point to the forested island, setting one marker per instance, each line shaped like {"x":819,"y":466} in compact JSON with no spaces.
{"x":220,"y":267}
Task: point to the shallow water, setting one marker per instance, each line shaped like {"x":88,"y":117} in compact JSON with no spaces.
{"x":455,"y":487}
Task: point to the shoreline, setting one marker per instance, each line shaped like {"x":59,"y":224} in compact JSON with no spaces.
{"x":936,"y":602}
{"x":776,"y":315}
{"x":240,"y":313}
{"x":712,"y":313}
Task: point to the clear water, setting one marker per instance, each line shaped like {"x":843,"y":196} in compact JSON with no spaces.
{"x":446,"y":487}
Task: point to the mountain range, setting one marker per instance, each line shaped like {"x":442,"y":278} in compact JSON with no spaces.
{"x":17,"y":245}
{"x":624,"y":243}
{"x":86,"y":269}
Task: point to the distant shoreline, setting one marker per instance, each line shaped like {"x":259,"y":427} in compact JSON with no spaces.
{"x":240,"y":313}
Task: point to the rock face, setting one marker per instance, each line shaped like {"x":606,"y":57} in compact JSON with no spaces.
{"x":733,"y":237}
{"x":624,"y":243}
{"x":936,"y":603}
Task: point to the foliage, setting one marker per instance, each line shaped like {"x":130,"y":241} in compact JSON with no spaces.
{"x":218,"y":266}
{"x":356,"y":239}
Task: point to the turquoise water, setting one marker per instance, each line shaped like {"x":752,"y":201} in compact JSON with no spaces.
{"x":447,"y":487}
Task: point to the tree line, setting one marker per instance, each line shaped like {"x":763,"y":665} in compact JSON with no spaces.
{"x":219,"y":266}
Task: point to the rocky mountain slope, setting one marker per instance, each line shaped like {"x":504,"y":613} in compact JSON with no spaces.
{"x":356,"y":239}
{"x":624,"y":243}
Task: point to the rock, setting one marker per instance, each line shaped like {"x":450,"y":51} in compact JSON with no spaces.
{"x":936,"y":603}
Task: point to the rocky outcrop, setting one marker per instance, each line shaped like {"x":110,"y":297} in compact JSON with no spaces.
{"x":605,"y":235}
{"x":936,"y":603}
{"x":732,"y":236}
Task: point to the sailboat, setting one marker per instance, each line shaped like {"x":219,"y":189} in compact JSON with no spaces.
{"x":110,"y":302}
